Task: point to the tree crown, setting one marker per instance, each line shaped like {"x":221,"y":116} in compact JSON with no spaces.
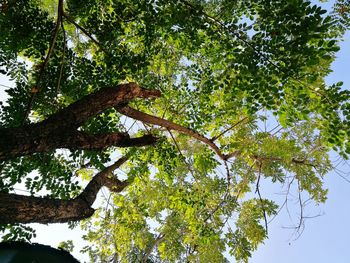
{"x":203,"y":99}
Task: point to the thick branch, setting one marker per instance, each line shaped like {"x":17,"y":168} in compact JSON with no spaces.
{"x":78,"y":112}
{"x":60,"y":129}
{"x":79,"y":140}
{"x":75,"y":140}
{"x":146,"y":118}
{"x":29,"y":209}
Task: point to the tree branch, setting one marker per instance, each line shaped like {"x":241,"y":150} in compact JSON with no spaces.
{"x":144,"y":117}
{"x":147,"y":118}
{"x":78,"y":112}
{"x":63,"y":58}
{"x":48,"y":55}
{"x":104,"y":178}
{"x":149,"y":250}
{"x":60,"y":129}
{"x":228,"y":129}
{"x":257,"y":190}
{"x":29,"y":209}
{"x":293,"y":160}
{"x":69,"y":19}
{"x":85,"y":141}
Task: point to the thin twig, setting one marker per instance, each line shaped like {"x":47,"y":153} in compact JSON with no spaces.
{"x":183,"y":157}
{"x":108,"y":201}
{"x":301,"y":208}
{"x":257,"y":190}
{"x":89,"y":35}
{"x":159,"y":238}
{"x":228,"y":175}
{"x":63,"y":57}
{"x":273,"y":134}
{"x":277,"y":126}
{"x":342,"y":176}
{"x":46,"y":61}
{"x":5,"y":86}
{"x":228,"y":129}
{"x":131,"y":126}
{"x":285,"y":203}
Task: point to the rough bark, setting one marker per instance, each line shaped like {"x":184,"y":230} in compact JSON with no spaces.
{"x":60,"y":129}
{"x":74,"y":140}
{"x":29,"y":209}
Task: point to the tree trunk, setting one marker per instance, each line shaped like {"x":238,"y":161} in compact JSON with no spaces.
{"x":29,"y":209}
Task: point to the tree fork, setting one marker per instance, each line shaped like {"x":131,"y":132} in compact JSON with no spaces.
{"x":29,"y":209}
{"x":60,"y":128}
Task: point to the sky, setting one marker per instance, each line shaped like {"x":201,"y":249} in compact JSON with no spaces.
{"x":324,"y":239}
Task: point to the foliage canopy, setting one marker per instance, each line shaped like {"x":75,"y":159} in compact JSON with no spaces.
{"x":237,"y":96}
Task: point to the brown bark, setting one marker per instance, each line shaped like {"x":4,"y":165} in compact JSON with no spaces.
{"x":60,"y":129}
{"x":29,"y":209}
{"x":74,"y":140}
{"x":146,"y":118}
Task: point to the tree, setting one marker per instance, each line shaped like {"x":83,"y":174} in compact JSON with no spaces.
{"x":181,"y":93}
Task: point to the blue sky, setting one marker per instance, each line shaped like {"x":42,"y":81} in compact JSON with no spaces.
{"x":324,"y":239}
